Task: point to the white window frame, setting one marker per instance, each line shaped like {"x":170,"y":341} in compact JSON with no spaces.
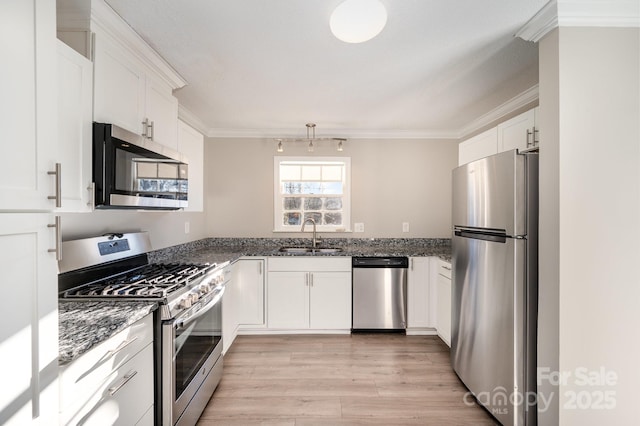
{"x":278,"y":198}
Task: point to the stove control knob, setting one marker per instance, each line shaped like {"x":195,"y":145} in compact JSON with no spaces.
{"x":194,"y":297}
{"x":185,"y":303}
{"x":205,"y":288}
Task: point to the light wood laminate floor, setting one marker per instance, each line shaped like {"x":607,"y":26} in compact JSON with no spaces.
{"x":372,"y":379}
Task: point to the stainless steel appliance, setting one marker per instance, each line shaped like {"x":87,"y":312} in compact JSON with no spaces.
{"x":494,"y":293}
{"x":132,"y":172}
{"x":379,"y":293}
{"x":188,"y":335}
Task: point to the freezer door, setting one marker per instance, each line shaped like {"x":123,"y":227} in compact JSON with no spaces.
{"x":490,"y":193}
{"x":489,"y":325}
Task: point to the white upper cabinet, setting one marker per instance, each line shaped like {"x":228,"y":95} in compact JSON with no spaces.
{"x":119,"y":87}
{"x":161,"y":112}
{"x":27,"y":104}
{"x":75,"y":88}
{"x":479,"y":146}
{"x":133,"y":85}
{"x":191,"y":144}
{"x":519,"y":132}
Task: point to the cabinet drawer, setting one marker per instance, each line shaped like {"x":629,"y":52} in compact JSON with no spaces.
{"x":80,"y":378}
{"x":305,"y":263}
{"x":444,"y":269}
{"x":122,"y":399}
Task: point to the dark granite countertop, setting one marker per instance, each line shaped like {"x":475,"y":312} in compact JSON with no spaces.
{"x":84,"y":325}
{"x":221,"y":250}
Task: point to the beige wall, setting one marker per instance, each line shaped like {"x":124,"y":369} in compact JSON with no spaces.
{"x":393,"y":181}
{"x":166,"y":228}
{"x":590,"y":217}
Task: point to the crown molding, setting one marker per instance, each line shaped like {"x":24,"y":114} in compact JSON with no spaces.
{"x":285,"y":133}
{"x":192,"y":120}
{"x":118,"y":30}
{"x":581,"y":13}
{"x":523,"y":99}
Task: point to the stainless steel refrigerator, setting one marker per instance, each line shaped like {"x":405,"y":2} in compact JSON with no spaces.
{"x":494,"y":287}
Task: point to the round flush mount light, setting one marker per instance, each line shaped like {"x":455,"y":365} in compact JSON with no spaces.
{"x":356,"y":21}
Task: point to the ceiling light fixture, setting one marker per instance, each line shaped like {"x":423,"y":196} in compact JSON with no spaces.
{"x":356,"y":21}
{"x":311,"y":138}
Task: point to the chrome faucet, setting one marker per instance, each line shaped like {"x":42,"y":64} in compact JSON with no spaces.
{"x":315,"y":238}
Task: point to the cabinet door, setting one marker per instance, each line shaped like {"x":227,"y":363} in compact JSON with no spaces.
{"x":444,"y":308}
{"x":161,"y":108}
{"x":75,"y":87}
{"x":119,"y":87}
{"x":479,"y":146}
{"x":250,"y":282}
{"x":29,"y":333}
{"x":288,"y":300}
{"x":516,"y":132}
{"x":418,"y":293}
{"x":27,"y":104}
{"x":330,"y":300}
{"x":191,"y":144}
{"x":230,"y":313}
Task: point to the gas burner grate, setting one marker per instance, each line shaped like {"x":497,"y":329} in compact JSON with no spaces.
{"x":149,"y":281}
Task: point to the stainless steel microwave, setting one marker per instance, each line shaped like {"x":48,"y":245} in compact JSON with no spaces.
{"x":133,"y":172}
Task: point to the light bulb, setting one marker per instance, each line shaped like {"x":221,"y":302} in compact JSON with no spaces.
{"x":310,"y":146}
{"x":280,"y":147}
{"x":356,"y":21}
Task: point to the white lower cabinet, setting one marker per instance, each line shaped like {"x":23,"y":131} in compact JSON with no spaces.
{"x":418,"y":297}
{"x":443,"y":308}
{"x":113,"y":382}
{"x":309,"y":294}
{"x":249,"y":279}
{"x":230,"y":311}
{"x":29,"y":332}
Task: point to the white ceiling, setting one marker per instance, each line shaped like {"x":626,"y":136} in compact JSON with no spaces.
{"x":267,"y":67}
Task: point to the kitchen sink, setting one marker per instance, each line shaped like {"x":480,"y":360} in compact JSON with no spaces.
{"x":302,"y":250}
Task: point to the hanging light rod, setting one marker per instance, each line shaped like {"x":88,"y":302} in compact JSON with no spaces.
{"x":311,"y":138}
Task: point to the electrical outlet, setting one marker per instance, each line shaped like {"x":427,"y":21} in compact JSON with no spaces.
{"x":359,"y":227}
{"x":186,"y":227}
{"x":405,"y":226}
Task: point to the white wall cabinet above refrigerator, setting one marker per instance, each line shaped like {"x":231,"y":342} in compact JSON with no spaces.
{"x":519,"y":132}
{"x":27,"y":105}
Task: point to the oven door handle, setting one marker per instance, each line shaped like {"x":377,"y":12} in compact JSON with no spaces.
{"x":182,"y":323}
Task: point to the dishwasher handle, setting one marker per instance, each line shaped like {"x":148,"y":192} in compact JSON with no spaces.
{"x":380,"y":262}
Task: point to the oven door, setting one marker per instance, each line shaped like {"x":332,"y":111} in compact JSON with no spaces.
{"x":191,"y":348}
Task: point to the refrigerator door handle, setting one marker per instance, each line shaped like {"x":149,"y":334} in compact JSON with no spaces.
{"x":486,"y":235}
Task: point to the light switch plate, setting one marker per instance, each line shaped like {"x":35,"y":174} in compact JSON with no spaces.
{"x":186,"y":227}
{"x":405,"y":226}
{"x":358,"y":227}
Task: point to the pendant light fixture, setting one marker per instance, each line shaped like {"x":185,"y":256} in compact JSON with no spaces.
{"x":356,"y":21}
{"x":310,"y":140}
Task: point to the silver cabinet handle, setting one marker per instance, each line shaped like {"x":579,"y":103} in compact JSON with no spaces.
{"x":145,"y":128}
{"x":92,"y":195}
{"x":58,"y":249}
{"x":152,"y":126}
{"x":114,"y":389}
{"x":412,"y":263}
{"x":121,"y":346}
{"x":306,"y":278}
{"x":536,"y":141}
{"x":448,"y":268}
{"x":58,"y":173}
{"x":529,"y":133}
{"x":311,"y":274}
{"x":260,"y":267}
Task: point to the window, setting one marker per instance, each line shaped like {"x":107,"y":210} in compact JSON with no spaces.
{"x":317,"y":188}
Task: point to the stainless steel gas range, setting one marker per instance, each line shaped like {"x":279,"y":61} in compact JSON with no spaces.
{"x":188,"y":322}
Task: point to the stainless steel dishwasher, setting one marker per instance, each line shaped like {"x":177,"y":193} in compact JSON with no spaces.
{"x":379,"y":293}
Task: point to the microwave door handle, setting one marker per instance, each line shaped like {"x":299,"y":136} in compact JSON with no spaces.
{"x":180,"y":324}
